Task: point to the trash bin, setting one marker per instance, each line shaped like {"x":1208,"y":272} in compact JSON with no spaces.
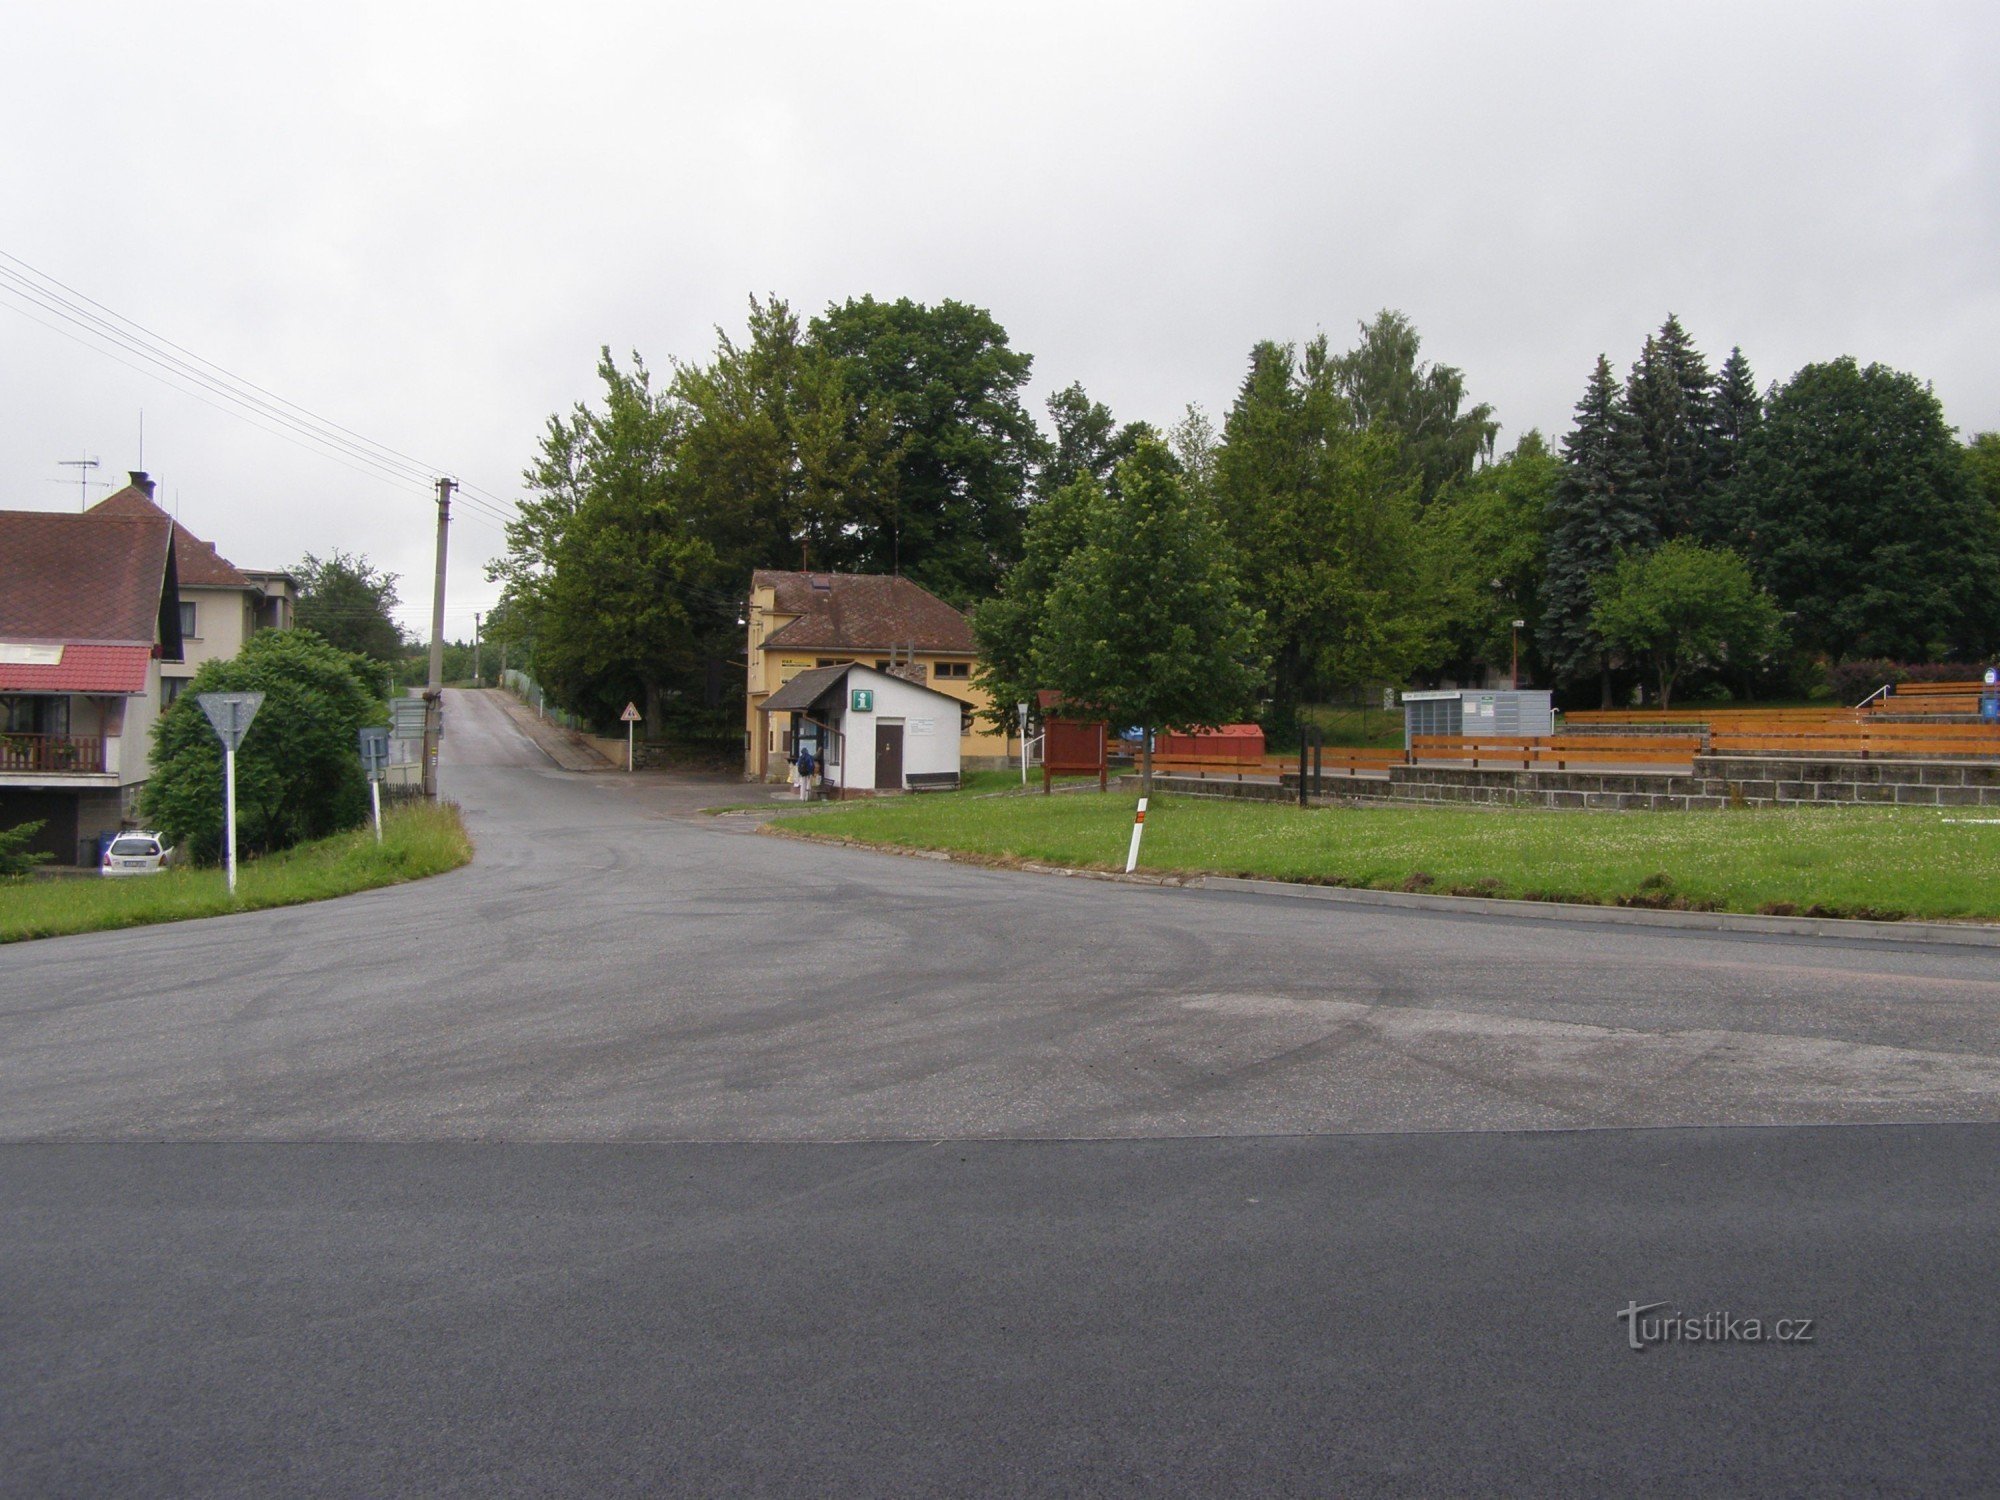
{"x":103,"y":844}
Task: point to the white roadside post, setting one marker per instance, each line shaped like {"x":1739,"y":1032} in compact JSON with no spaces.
{"x":631,"y":717}
{"x":375,"y":760}
{"x":1138,"y":827}
{"x":1021,"y":714}
{"x":230,"y":714}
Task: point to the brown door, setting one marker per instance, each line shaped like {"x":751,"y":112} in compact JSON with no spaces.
{"x":888,"y":757}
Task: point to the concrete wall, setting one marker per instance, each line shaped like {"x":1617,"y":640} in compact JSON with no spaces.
{"x":1717,"y":782}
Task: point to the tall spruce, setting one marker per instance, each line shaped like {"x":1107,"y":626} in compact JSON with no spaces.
{"x":1734,"y":414}
{"x":1669,"y":396}
{"x":1598,"y":509}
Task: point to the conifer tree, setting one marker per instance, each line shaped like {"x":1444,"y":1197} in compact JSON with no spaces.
{"x":1598,"y":510}
{"x":1669,"y":396}
{"x":1735,"y":412}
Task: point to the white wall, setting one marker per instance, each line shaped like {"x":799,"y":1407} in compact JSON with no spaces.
{"x":930,"y":729}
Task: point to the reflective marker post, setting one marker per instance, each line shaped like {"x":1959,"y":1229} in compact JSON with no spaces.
{"x":375,"y":761}
{"x":230,"y":715}
{"x":1138,"y":827}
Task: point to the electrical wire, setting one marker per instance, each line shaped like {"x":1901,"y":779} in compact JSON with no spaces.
{"x":247,"y":401}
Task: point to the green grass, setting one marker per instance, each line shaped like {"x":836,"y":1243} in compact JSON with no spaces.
{"x":1883,"y":863}
{"x":417,"y":840}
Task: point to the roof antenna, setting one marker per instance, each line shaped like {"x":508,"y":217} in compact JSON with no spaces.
{"x":83,"y":466}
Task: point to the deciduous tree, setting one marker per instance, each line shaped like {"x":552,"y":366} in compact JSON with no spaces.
{"x":1864,"y":520}
{"x":298,"y":772}
{"x":1145,"y":624}
{"x":1684,"y":606}
{"x":349,"y":603}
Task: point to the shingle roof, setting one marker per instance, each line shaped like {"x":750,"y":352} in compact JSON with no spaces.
{"x":201,"y":566}
{"x":805,"y":689}
{"x":83,"y":669}
{"x":91,"y":579}
{"x":862,"y":612}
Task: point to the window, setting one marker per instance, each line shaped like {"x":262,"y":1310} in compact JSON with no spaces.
{"x":189,"y":630}
{"x":965,"y":721}
{"x":170,"y":689}
{"x":953,"y":669}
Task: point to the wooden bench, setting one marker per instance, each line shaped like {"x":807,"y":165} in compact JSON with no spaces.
{"x":931,"y":781}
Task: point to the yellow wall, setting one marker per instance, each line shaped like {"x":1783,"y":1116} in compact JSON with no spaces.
{"x":770,"y":670}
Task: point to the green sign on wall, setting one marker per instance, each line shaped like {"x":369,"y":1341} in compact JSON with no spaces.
{"x":861,"y":700}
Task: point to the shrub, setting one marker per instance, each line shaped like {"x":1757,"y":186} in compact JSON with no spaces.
{"x":16,"y":859}
{"x":298,"y":773}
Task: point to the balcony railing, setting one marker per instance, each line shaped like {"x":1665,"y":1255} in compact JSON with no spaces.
{"x":77,"y":754}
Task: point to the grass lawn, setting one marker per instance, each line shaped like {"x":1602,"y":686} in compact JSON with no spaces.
{"x":417,"y":840}
{"x":1884,"y":863}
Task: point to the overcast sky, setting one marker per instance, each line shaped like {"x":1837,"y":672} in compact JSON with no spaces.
{"x":422,"y":221}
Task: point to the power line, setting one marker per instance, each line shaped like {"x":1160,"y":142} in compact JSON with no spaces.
{"x":248,"y":401}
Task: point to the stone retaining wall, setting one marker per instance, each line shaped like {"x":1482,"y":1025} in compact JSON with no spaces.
{"x":1717,"y":782}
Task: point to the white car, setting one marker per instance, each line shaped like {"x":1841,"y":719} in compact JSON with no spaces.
{"x":137,"y":852}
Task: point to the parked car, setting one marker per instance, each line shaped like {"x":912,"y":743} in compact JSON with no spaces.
{"x":137,"y":851}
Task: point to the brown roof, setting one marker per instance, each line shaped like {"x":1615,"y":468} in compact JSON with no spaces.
{"x":805,"y":689}
{"x":90,"y":579}
{"x":862,"y":612}
{"x":201,"y":566}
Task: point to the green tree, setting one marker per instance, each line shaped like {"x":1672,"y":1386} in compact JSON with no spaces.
{"x":947,"y":385}
{"x":1007,"y":625}
{"x":1669,"y":401}
{"x":1598,"y":510}
{"x":1422,"y":405}
{"x":1323,"y":518}
{"x":1864,"y":521}
{"x":298,"y":772}
{"x":16,"y":859}
{"x":1485,"y":540}
{"x":1144,"y":624}
{"x":1982,"y":458}
{"x":636,"y":600}
{"x":1735,"y":411}
{"x":1088,"y":442}
{"x":351,"y":605}
{"x":1684,"y":606}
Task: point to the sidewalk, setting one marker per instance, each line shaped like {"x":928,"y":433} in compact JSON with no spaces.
{"x":565,"y":747}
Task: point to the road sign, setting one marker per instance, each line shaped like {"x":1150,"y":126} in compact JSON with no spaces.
{"x":231,"y":714}
{"x":631,"y":714}
{"x":861,"y":700}
{"x":406,"y":718}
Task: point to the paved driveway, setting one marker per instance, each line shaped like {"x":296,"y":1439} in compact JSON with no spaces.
{"x":803,"y":1169}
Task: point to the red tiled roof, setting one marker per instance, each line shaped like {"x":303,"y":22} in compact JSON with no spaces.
{"x":90,"y":579}
{"x":861,"y":612}
{"x":83,"y":669}
{"x":200,"y":565}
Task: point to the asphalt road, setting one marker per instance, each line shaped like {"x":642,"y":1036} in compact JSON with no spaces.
{"x":646,"y":1153}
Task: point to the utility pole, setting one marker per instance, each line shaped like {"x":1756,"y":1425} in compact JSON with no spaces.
{"x":477,"y":680}
{"x":434,"y":689}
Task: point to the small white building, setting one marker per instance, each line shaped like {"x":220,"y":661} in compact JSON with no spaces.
{"x":868,"y":732}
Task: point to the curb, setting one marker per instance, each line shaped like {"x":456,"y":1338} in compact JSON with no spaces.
{"x":1845,"y":929}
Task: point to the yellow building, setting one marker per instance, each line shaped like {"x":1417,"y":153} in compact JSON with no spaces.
{"x":798,"y":621}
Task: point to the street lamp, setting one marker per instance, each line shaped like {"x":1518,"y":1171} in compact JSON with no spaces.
{"x":1517,"y":654}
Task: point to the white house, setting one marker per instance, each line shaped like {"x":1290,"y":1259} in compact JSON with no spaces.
{"x":869,"y":731}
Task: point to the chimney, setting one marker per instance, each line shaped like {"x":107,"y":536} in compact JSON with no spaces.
{"x":141,"y":481}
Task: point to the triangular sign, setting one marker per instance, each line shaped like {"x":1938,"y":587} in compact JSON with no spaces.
{"x":631,"y":714}
{"x":230,"y":713}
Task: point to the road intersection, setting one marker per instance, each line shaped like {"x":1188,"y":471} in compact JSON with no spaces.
{"x":778,"y":1166}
